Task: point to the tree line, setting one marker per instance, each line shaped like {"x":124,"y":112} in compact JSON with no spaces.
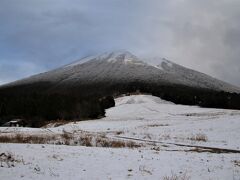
{"x":36,"y":108}
{"x":39,"y":103}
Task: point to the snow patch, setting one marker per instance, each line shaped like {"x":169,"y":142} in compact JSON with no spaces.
{"x":140,"y":99}
{"x":81,"y":61}
{"x":158,"y":62}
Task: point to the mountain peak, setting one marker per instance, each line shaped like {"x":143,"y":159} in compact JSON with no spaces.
{"x":119,"y":56}
{"x":119,"y":52}
{"x":112,"y":56}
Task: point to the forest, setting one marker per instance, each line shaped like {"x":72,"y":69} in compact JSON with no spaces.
{"x":38,"y":103}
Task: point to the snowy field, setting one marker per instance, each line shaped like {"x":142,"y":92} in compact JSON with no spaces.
{"x":175,"y":142}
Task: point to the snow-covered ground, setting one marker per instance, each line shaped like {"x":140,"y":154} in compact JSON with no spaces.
{"x":184,"y":141}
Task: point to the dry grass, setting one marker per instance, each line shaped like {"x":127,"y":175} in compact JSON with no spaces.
{"x":80,"y":139}
{"x":22,"y":138}
{"x":9,"y":160}
{"x":236,"y":163}
{"x":106,"y":142}
{"x":174,"y":176}
{"x":199,"y":137}
{"x":165,"y":136}
{"x":119,"y":132}
{"x":144,"y":170}
{"x":157,"y":148}
{"x":147,"y":136}
{"x":157,"y":125}
{"x":86,"y":140}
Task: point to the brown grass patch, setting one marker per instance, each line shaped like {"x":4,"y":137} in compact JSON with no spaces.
{"x":24,"y":138}
{"x":199,"y":137}
{"x":82,"y":139}
{"x":157,"y":125}
{"x":106,"y":142}
{"x":86,"y":140}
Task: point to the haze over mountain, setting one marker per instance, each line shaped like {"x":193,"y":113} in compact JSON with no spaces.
{"x":124,"y":67}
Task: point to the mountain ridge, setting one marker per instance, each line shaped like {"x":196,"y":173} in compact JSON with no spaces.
{"x":124,"y":66}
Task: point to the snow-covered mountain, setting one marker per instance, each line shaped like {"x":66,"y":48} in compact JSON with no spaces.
{"x":85,"y":88}
{"x":123,"y":67}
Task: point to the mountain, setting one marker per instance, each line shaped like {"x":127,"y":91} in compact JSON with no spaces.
{"x":85,"y":88}
{"x":124,"y":67}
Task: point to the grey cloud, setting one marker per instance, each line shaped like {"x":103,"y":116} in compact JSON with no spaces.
{"x":203,"y":35}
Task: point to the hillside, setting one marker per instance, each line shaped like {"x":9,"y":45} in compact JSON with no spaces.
{"x":85,"y":88}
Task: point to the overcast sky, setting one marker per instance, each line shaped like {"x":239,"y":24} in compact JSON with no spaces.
{"x":39,"y":35}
